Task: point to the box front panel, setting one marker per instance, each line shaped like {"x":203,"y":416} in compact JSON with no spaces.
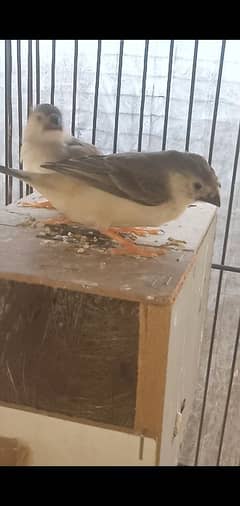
{"x":68,"y":353}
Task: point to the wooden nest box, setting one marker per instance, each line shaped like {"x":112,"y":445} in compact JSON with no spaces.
{"x":99,"y":353}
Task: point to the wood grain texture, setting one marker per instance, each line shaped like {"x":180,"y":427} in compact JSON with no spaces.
{"x":153,"y":352}
{"x":30,"y":259}
{"x":68,"y":353}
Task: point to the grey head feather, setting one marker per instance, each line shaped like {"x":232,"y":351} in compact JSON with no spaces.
{"x":48,"y":109}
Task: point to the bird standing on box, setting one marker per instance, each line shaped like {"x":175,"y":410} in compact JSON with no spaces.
{"x":112,"y":193}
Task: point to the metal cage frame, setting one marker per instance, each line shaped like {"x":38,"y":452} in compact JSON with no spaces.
{"x":222,"y":266}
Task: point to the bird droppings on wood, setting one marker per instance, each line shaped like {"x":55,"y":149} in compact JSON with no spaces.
{"x":179,"y":259}
{"x":175,"y":243}
{"x":125,"y":287}
{"x":79,"y":237}
{"x":83,"y":241}
{"x":87,"y":284}
{"x":168,"y":280}
{"x":45,"y":242}
{"x":29,"y":221}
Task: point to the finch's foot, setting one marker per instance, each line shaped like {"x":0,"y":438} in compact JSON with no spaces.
{"x":127,"y":247}
{"x":38,"y":204}
{"x":138,"y":231}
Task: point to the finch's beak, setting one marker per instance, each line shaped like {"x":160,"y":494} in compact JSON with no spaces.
{"x":213,"y":199}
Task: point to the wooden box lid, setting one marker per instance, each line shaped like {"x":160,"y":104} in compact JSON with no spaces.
{"x":28,"y":258}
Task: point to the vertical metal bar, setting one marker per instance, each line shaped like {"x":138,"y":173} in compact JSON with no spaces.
{"x":234,"y":359}
{"x":192,"y":88}
{"x":115,"y":137}
{"x":30,"y":79}
{"x":37,"y":72}
{"x":29,"y":94}
{"x":215,"y":110}
{"x":144,"y":80}
{"x":53,"y":65}
{"x":99,"y":50}
{"x":19,"y":82}
{"x":224,"y":250}
{"x":75,"y":69}
{"x":231,"y":197}
{"x":170,"y":64}
{"x":8,"y":118}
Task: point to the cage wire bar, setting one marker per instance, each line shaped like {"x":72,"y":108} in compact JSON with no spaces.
{"x":53,"y":65}
{"x":216,"y":103}
{"x":144,"y":81}
{"x":167,"y":103}
{"x":8,"y":118}
{"x":20,"y":111}
{"x":191,"y":98}
{"x":74,"y":92}
{"x":38,"y":87}
{"x":30,"y":79}
{"x":29,"y":189}
{"x":119,"y":82}
{"x":233,"y":368}
{"x":95,"y":107}
{"x":220,"y":267}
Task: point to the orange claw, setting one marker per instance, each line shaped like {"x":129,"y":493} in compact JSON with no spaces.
{"x":127,"y":247}
{"x":36,"y":204}
{"x":139,"y":231}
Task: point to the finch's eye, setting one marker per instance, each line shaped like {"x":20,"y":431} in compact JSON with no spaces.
{"x":197,"y":186}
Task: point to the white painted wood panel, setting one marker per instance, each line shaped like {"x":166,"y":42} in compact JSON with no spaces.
{"x":57,"y":442}
{"x":187,"y":323}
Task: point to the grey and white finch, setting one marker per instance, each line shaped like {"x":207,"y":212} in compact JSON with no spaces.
{"x":123,"y":190}
{"x":44,"y":139}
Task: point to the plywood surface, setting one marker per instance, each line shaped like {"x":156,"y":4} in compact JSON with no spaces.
{"x":152,"y":368}
{"x":60,"y":352}
{"x":28,"y":258}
